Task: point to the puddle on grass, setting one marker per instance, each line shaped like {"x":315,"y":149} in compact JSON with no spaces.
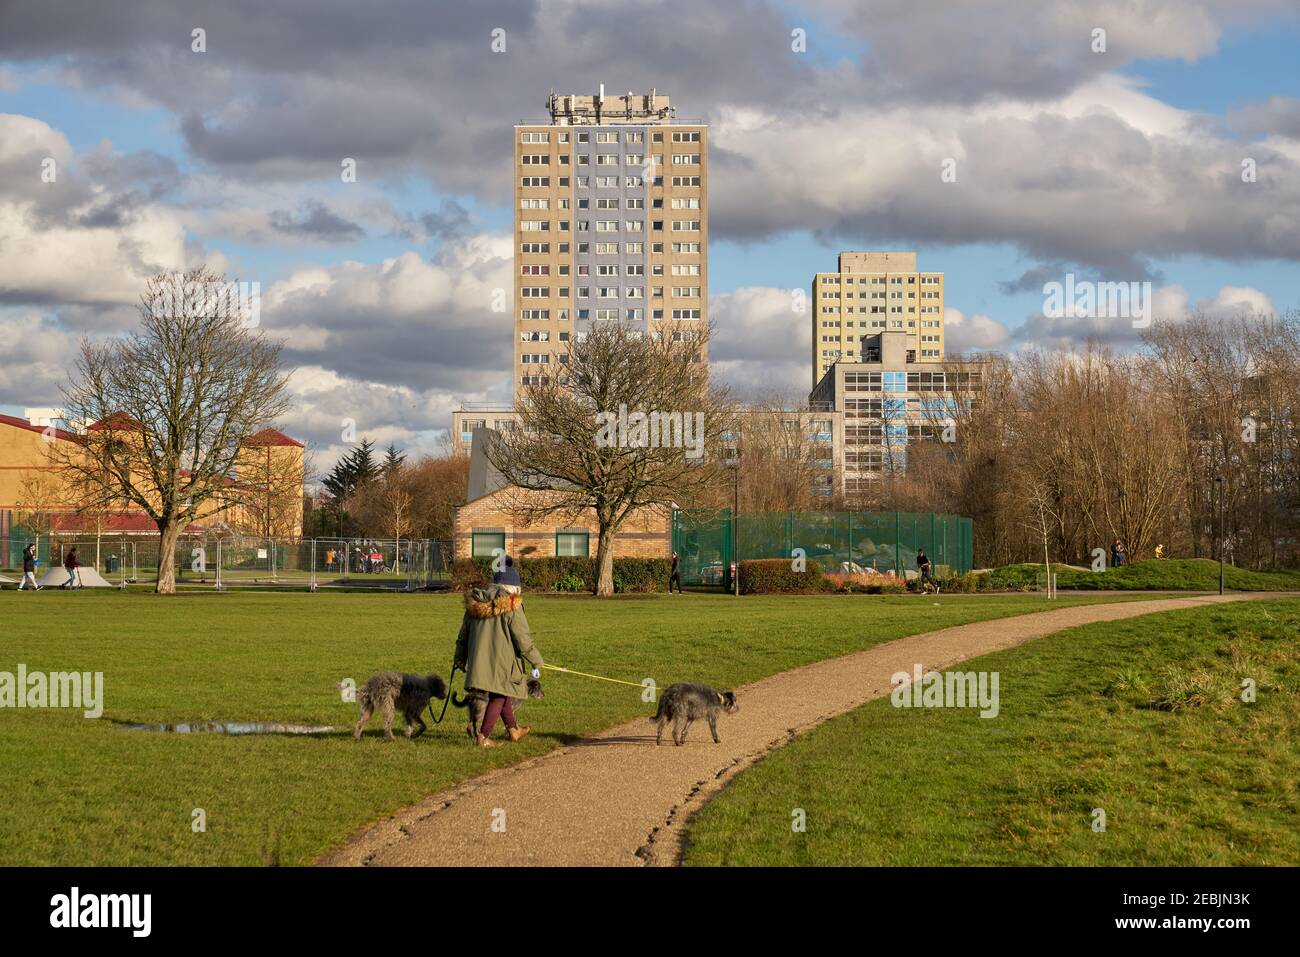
{"x":234,"y":727}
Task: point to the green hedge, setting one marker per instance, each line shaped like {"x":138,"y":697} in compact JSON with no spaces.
{"x":559,"y":573}
{"x":775,"y":576}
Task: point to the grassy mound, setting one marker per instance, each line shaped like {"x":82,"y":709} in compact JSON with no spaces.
{"x":1179,"y":726}
{"x":1175,"y":574}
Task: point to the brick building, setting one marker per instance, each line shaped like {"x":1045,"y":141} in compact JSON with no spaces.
{"x":491,"y":518}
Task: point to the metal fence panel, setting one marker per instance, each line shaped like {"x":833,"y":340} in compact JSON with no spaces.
{"x":223,"y":561}
{"x":883,"y":541}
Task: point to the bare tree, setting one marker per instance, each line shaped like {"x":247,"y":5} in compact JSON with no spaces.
{"x":38,"y":495}
{"x":785,"y":465}
{"x":438,"y":485}
{"x":172,"y":404}
{"x":386,"y":504}
{"x":629,"y":425}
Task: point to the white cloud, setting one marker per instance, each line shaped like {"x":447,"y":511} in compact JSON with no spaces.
{"x":1169,"y":304}
{"x":38,"y":353}
{"x":760,"y":344}
{"x":963,"y":333}
{"x":74,"y":240}
{"x":1237,"y":300}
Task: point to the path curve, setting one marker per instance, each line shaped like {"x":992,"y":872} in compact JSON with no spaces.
{"x":616,"y":799}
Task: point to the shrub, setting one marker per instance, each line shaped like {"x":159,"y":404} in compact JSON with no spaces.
{"x":641,"y":574}
{"x":469,"y":573}
{"x":775,"y":576}
{"x":890,"y":586}
{"x":864,"y":583}
{"x":966,"y":584}
{"x":548,"y":572}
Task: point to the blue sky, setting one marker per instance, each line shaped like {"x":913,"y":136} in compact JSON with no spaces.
{"x":1120,"y":166}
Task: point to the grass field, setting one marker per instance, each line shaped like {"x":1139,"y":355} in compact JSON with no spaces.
{"x":1141,"y":718}
{"x":1181,"y":574}
{"x":81,"y":791}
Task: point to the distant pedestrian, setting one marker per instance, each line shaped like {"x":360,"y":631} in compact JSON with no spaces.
{"x":923,"y":566}
{"x":676,"y":574}
{"x":70,"y":565}
{"x":1160,"y":551}
{"x":29,"y":568}
{"x":1116,"y":554}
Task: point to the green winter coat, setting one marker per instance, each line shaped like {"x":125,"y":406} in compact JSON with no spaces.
{"x":494,"y":645}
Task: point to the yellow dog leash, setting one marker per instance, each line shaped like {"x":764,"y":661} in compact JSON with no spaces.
{"x":570,"y":671}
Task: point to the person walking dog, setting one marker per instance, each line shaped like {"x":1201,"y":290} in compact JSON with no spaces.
{"x":495,"y":648}
{"x":29,"y":568}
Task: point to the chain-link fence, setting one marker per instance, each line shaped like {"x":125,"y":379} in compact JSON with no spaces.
{"x":232,"y":561}
{"x":704,"y":540}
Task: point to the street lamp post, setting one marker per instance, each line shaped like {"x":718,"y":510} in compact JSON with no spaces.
{"x":1218,"y":483}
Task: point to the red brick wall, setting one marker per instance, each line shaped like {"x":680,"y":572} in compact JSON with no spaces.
{"x":646,"y":534}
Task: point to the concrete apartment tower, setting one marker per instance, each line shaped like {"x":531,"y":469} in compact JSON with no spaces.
{"x":874,"y":292}
{"x":611,"y":223}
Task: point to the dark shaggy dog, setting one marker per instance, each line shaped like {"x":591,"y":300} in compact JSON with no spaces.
{"x":391,"y":690}
{"x":683,"y":703}
{"x":477,"y":702}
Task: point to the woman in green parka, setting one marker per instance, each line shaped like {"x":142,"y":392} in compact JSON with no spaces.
{"x":495,"y":648}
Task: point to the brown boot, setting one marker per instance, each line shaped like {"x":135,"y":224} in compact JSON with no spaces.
{"x":517,"y":733}
{"x":485,"y":742}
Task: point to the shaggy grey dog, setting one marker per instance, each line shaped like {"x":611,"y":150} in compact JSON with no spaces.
{"x":477,"y":702}
{"x":683,"y":703}
{"x":390,"y":691}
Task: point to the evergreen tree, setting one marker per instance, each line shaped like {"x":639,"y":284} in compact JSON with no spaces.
{"x":392,"y":458}
{"x":364,"y":467}
{"x":351,"y":471}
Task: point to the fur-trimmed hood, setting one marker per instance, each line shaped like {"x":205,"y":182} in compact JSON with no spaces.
{"x":491,"y":602}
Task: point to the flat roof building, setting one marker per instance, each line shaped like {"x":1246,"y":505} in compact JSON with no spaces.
{"x":874,"y":292}
{"x":611,"y":224}
{"x":888,"y":399}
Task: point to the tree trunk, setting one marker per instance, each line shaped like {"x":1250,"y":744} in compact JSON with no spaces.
{"x":605,"y":562}
{"x":168,"y":534}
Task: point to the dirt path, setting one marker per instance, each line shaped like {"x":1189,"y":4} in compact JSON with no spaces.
{"x":615,"y":798}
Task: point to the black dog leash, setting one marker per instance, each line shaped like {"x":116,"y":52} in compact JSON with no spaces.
{"x":445,"y":701}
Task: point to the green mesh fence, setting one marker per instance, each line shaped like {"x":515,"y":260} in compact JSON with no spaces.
{"x":884,"y":541}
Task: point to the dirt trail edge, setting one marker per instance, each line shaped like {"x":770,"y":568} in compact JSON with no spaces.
{"x":616,"y":799}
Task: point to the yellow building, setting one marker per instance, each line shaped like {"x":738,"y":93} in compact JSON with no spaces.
{"x":871,"y":293}
{"x":33,"y":490}
{"x":611,"y":223}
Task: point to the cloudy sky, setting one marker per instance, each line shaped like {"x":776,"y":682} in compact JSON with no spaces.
{"x":1123,"y":165}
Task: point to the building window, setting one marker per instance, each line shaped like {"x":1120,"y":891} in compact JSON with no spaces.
{"x":572,"y":543}
{"x":482,"y":543}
